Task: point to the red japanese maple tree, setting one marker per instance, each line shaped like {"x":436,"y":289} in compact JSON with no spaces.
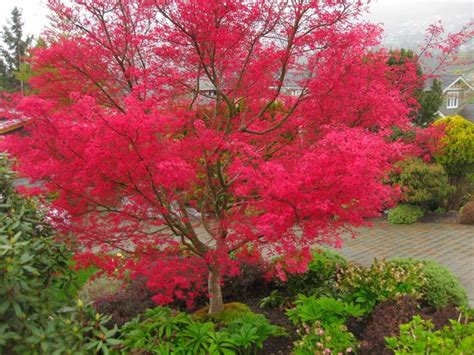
{"x":186,"y":132}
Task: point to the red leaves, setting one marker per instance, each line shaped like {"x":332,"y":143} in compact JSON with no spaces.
{"x":444,"y":47}
{"x":166,"y":124}
{"x":174,"y":277}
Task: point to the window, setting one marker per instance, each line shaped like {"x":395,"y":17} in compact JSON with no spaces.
{"x":453,"y":100}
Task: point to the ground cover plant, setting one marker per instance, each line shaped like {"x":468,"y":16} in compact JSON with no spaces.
{"x":419,"y":336}
{"x":385,"y":320}
{"x":160,"y":330}
{"x":183,"y":148}
{"x":321,"y":325}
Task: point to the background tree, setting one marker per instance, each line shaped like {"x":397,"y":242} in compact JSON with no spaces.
{"x":13,"y":52}
{"x":425,"y":102}
{"x":430,"y":102}
{"x":457,"y":157}
{"x":3,"y":74}
{"x":186,"y":184}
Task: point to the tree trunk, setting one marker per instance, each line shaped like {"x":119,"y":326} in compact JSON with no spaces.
{"x":216,"y":303}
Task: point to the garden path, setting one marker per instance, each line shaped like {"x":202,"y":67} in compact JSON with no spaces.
{"x":452,"y":245}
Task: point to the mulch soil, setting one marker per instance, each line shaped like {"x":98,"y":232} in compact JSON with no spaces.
{"x":251,"y":296}
{"x":275,"y":345}
{"x":386,"y":319}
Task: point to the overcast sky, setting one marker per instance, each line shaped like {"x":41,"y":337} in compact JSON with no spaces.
{"x":34,"y":13}
{"x":388,"y":12}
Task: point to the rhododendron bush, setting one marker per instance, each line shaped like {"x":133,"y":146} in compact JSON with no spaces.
{"x":167,"y":132}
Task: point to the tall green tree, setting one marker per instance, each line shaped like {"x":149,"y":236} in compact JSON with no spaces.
{"x":13,"y":51}
{"x":430,"y":100}
{"x":3,"y":73}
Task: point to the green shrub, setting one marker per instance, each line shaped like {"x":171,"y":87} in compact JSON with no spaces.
{"x":163,"y":331}
{"x":320,"y":278}
{"x":77,"y":280}
{"x":440,"y":287}
{"x":457,"y":154}
{"x":381,"y":281}
{"x":405,"y":214}
{"x":30,"y":258}
{"x":418,"y":337}
{"x":457,"y":157}
{"x":71,"y":330}
{"x":422,"y":184}
{"x":36,"y":316}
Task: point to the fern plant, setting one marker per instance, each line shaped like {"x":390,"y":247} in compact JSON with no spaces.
{"x":162,"y":331}
{"x":326,"y":310}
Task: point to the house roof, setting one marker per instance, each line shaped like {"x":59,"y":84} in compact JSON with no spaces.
{"x":7,"y":126}
{"x":447,"y":80}
{"x":467,"y":112}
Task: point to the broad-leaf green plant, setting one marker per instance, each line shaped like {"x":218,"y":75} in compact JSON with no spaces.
{"x":440,"y":287}
{"x":383,"y":280}
{"x":161,"y":330}
{"x":419,"y":337}
{"x":326,"y":310}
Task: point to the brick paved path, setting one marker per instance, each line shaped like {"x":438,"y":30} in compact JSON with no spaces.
{"x":452,"y":245}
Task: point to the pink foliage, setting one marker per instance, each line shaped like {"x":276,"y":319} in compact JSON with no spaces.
{"x":444,"y":47}
{"x":168,"y":123}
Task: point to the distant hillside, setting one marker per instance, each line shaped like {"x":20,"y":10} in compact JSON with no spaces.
{"x":405,"y":22}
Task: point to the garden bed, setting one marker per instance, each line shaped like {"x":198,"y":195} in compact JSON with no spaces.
{"x":277,"y":316}
{"x":392,"y":292}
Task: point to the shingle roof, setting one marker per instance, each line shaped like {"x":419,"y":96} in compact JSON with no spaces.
{"x":446,"y":80}
{"x":10,"y":125}
{"x":467,"y":112}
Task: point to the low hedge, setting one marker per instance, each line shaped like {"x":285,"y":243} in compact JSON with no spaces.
{"x":321,"y":275}
{"x":440,"y":287}
{"x":405,"y":214}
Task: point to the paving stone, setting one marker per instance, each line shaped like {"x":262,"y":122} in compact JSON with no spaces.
{"x":452,"y":245}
